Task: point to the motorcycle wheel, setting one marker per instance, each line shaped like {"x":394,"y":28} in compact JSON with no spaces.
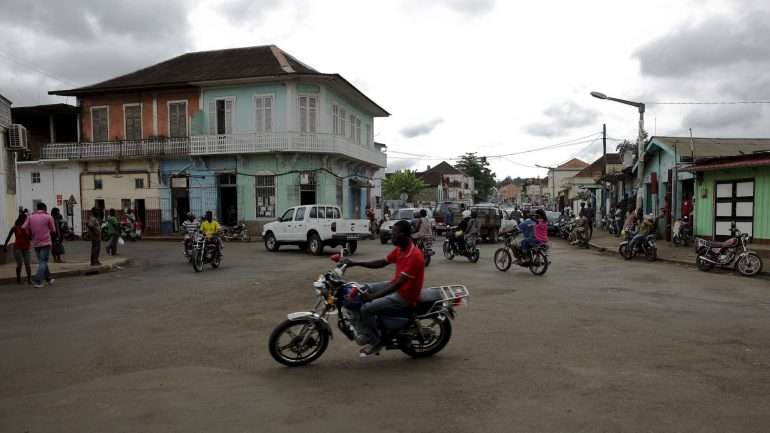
{"x":197,"y":261}
{"x":448,"y":251}
{"x":538,"y":263}
{"x":383,"y":238}
{"x":703,"y":265}
{"x":677,"y":240}
{"x":475,"y":255}
{"x":502,"y":259}
{"x":624,"y":251}
{"x":285,"y":340}
{"x":438,"y":330}
{"x":652,"y":254}
{"x":749,"y":265}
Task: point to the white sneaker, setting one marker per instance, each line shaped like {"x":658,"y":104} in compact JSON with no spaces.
{"x":51,"y":281}
{"x":38,"y":285}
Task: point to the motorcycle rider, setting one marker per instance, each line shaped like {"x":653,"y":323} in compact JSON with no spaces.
{"x":423,"y":228}
{"x":647,"y":226}
{"x":397,"y":296}
{"x":210,"y":228}
{"x":189,"y":227}
{"x":468,"y":228}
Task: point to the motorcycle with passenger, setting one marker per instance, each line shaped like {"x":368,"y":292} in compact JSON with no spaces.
{"x":535,"y":258}
{"x":579,"y":234}
{"x":304,"y":336}
{"x":731,"y":254}
{"x":425,"y":244}
{"x":645,"y":246}
{"x":681,"y":232}
{"x":456,"y":245}
{"x":205,"y":250}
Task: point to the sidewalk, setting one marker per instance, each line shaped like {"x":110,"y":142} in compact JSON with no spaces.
{"x":74,"y":265}
{"x":667,"y":252}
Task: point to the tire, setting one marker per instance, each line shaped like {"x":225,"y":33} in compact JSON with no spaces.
{"x":434,"y":346}
{"x":475,"y":256}
{"x":624,"y":251}
{"x":197,"y":261}
{"x":216,"y":262}
{"x":703,"y":265}
{"x":383,"y":238}
{"x":271,"y":244}
{"x":749,"y":265}
{"x":352,"y":247}
{"x":321,"y":342}
{"x":502,"y":259}
{"x":652,"y":254}
{"x":538,"y":263}
{"x":314,"y":244}
{"x":448,"y":253}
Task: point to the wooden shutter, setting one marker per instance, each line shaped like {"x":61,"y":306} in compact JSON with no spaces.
{"x":133,"y":122}
{"x":343,"y":113}
{"x":312,"y":113}
{"x":268,"y":105}
{"x":213,"y":117}
{"x":352,"y":127}
{"x":303,"y":114}
{"x":177,"y":115}
{"x":99,"y":124}
{"x":335,"y":119}
{"x":229,"y":116}
{"x":260,"y":114}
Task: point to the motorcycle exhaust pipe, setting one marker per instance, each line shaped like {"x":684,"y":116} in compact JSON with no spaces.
{"x":708,"y":260}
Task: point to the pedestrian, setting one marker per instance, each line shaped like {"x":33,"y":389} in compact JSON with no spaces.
{"x":57,"y":239}
{"x":39,"y":227}
{"x":21,"y":248}
{"x":95,"y":233}
{"x":113,"y":233}
{"x":587,"y":212}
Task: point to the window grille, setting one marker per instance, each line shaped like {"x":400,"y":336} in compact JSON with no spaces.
{"x":265,"y":196}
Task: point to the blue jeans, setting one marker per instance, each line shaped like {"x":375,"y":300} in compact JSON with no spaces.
{"x":635,"y":241}
{"x":42,"y":253}
{"x":390,"y":305}
{"x":528,"y":243}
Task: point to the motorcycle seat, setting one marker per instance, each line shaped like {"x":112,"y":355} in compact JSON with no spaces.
{"x":714,"y":244}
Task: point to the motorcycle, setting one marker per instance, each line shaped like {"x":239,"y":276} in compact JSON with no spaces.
{"x":128,"y":232}
{"x":452,"y":248}
{"x":682,"y":234}
{"x":304,"y":336}
{"x":536,"y":258}
{"x":205,"y":250}
{"x":565,"y":228}
{"x":615,"y":224}
{"x":731,"y":254}
{"x":645,"y":246}
{"x":188,"y":247}
{"x":579,"y":234}
{"x":237,"y":232}
{"x":426,"y":246}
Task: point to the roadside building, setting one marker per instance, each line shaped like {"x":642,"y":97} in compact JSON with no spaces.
{"x":445,"y":183}
{"x":8,"y":210}
{"x":509,"y":194}
{"x":559,"y":179}
{"x":733,"y":190}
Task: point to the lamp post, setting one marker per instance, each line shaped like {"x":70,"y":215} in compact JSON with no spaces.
{"x":639,"y":142}
{"x":553,"y":184}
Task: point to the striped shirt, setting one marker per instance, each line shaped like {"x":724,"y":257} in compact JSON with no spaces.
{"x":190,"y":227}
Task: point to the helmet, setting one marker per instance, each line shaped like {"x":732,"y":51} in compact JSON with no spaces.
{"x":648,"y":217}
{"x":466,"y":213}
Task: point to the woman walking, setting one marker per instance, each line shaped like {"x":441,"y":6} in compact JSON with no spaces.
{"x":57,"y":249}
{"x":21,"y":248}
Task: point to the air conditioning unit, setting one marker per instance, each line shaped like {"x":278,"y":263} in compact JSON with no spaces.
{"x":18,"y":138}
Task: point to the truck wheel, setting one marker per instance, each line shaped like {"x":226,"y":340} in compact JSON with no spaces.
{"x":271,"y":244}
{"x":383,"y":238}
{"x":315,"y":245}
{"x":352,"y":247}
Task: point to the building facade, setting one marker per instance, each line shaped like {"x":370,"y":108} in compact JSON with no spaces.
{"x":445,"y":183}
{"x":8,"y":210}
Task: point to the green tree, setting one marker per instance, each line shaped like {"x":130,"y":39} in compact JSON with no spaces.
{"x":478,"y":168}
{"x":401,"y":182}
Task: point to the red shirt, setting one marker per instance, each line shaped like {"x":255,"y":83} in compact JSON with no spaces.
{"x":22,"y":239}
{"x":411,"y":264}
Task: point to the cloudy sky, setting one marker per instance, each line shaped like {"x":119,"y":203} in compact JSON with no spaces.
{"x":494,"y":77}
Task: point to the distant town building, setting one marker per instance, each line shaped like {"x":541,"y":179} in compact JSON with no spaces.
{"x":445,"y":183}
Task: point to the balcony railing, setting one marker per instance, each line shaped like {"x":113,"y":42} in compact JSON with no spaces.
{"x":284,"y":142}
{"x":126,"y":149}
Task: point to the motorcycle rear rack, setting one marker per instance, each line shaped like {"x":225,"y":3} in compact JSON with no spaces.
{"x":452,"y":294}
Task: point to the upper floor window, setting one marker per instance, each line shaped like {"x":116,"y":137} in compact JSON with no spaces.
{"x":335,"y":119}
{"x":100,"y":128}
{"x":221,"y":116}
{"x":97,"y":184}
{"x":308,"y":113}
{"x":369,"y":137}
{"x":132,"y":121}
{"x":263,"y":105}
{"x":35,"y":177}
{"x":177,"y":119}
{"x":342,"y":127}
{"x":138,"y":183}
{"x":352,"y":135}
{"x":358,"y":131}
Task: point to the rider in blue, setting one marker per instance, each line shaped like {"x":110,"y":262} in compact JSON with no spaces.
{"x":527,"y":229}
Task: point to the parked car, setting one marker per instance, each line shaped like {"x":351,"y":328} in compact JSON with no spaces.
{"x":490,"y":218}
{"x":407,"y":213}
{"x":314,"y":227}
{"x":455,"y":209}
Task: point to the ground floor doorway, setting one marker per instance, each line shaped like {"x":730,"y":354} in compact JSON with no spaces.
{"x":733,"y":208}
{"x":228,"y":199}
{"x":307,"y":188}
{"x":180,"y":201}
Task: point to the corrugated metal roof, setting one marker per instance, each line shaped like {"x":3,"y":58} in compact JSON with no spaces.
{"x":737,"y":161}
{"x":703,"y":147}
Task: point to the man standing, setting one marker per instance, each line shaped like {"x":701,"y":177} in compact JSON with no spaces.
{"x":95,"y":233}
{"x":113,"y":233}
{"x":39,"y":226}
{"x":587,"y":212}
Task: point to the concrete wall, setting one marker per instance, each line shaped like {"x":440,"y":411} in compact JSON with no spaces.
{"x":8,"y":210}
{"x":58,"y":181}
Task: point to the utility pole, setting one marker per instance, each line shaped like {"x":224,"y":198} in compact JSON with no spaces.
{"x":604,"y":170}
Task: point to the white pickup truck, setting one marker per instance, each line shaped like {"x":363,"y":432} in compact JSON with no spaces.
{"x":314,"y":227}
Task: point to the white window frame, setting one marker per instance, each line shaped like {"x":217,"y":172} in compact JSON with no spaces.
{"x":352,"y":136}
{"x":141,"y":119}
{"x":186,"y":114}
{"x":335,"y":119}
{"x":99,"y":107}
{"x":232,"y":114}
{"x":343,"y":121}
{"x":272,"y":111}
{"x":358,"y":130}
{"x":317,"y":112}
{"x":32,"y":177}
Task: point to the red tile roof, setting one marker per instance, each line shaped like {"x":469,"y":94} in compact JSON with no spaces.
{"x":574,"y":164}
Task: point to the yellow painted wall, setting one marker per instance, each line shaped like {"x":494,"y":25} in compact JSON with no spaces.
{"x":118,"y":183}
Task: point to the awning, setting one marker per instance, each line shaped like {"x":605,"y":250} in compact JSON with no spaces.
{"x":727,"y":164}
{"x":361,"y":182}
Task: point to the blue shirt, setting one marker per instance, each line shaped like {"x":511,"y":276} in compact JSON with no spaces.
{"x":527,"y":228}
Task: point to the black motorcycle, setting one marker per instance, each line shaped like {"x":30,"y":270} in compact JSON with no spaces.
{"x":682,"y":233}
{"x":238,"y":232}
{"x":455,"y":245}
{"x":205,"y":250}
{"x":535,"y":258}
{"x":731,"y":254}
{"x":644,"y":246}
{"x":422,"y":332}
{"x":426,"y":246}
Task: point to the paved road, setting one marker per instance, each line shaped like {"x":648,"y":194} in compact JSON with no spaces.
{"x":597,"y":344}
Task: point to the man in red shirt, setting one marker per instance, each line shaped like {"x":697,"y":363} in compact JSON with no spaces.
{"x":400,"y":294}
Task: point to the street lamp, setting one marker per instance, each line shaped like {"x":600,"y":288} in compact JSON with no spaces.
{"x":553,"y":184}
{"x":639,"y":142}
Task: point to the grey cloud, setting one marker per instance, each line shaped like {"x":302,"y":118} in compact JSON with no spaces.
{"x":718,"y":118}
{"x":471,"y":7}
{"x":716,"y":42}
{"x":560,"y":119}
{"x":400,"y":164}
{"x":237,"y":10}
{"x":421,"y":128}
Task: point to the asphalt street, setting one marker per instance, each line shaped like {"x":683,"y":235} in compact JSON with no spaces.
{"x":596,"y":345}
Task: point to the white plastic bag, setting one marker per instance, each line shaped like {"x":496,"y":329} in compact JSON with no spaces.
{"x":121,"y":241}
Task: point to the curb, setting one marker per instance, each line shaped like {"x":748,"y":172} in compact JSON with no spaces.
{"x":77,"y":272}
{"x":601,"y":249}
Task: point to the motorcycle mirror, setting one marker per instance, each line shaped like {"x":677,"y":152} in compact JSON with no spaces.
{"x":336,"y":258}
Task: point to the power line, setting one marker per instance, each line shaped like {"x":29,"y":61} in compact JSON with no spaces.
{"x":705,"y":102}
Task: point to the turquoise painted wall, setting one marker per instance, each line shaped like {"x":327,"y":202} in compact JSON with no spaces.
{"x":661,"y":160}
{"x":327,"y":115}
{"x":244,"y":119}
{"x":704,"y":199}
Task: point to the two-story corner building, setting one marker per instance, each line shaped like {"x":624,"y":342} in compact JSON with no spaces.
{"x":259,"y":131}
{"x":445,"y":183}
